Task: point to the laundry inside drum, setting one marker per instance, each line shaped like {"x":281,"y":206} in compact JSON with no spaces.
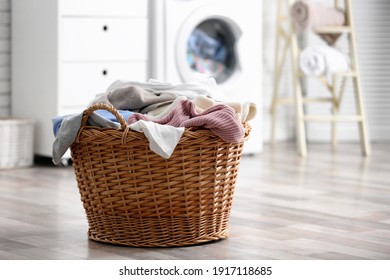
{"x":210,"y":50}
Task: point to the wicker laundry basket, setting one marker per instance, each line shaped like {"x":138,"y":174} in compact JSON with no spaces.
{"x":134,"y":197}
{"x":16,"y":142}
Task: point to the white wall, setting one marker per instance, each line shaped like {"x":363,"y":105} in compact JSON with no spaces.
{"x":5,"y":63}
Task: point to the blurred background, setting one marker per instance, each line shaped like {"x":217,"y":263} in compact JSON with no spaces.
{"x":51,"y":58}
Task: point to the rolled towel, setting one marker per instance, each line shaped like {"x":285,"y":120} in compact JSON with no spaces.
{"x":309,"y":15}
{"x":322,"y":60}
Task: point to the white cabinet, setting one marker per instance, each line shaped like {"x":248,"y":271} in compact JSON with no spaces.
{"x":96,"y":39}
{"x":64,"y":52}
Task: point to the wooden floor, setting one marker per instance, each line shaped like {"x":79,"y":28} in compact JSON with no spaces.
{"x":332,"y":205}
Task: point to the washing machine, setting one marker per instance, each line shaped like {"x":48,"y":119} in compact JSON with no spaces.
{"x":196,"y":39}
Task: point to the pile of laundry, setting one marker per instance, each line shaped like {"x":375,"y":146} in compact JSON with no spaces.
{"x":161,"y":111}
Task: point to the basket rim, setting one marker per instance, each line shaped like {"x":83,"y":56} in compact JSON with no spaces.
{"x":189,"y":132}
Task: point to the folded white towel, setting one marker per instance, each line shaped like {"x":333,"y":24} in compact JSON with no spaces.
{"x":322,"y":60}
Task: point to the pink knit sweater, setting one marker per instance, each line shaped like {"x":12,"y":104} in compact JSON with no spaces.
{"x":219,"y":118}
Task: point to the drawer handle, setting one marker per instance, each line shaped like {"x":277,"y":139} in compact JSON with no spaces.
{"x":105,"y":72}
{"x":105,"y":28}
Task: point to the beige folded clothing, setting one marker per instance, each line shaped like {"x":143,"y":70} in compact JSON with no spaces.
{"x":244,"y":111}
{"x":309,"y":15}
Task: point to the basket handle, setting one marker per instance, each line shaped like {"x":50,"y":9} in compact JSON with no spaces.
{"x":103,"y":106}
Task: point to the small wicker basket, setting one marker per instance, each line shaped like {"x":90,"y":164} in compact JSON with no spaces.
{"x":134,"y":197}
{"x":16,"y":142}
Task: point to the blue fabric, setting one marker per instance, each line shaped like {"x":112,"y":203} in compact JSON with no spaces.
{"x":57,"y":121}
{"x":124,"y":113}
{"x":206,"y":46}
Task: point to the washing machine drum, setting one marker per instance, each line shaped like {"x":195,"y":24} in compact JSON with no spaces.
{"x":208,"y":49}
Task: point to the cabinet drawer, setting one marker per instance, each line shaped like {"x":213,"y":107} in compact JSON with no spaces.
{"x":81,"y":82}
{"x":137,"y":8}
{"x":103,"y":39}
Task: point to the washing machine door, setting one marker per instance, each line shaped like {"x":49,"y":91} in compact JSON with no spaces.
{"x":206,"y":46}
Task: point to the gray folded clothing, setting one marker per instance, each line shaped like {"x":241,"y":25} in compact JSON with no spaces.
{"x":135,"y":99}
{"x":69,"y":129}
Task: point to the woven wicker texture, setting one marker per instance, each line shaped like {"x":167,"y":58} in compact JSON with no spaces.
{"x":16,"y":143}
{"x":134,"y":197}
